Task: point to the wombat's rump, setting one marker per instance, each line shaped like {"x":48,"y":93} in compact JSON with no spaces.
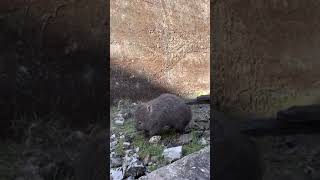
{"x":165,"y":111}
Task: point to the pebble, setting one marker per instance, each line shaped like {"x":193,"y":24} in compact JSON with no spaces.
{"x":126,"y":145}
{"x":116,"y":174}
{"x":203,"y":141}
{"x":172,"y":154}
{"x":137,"y":149}
{"x":154,"y":139}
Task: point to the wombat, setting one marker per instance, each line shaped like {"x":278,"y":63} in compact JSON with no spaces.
{"x":166,"y":111}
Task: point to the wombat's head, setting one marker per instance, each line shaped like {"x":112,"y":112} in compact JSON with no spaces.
{"x":141,"y":115}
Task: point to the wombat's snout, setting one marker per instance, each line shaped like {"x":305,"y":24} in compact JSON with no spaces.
{"x":139,"y":125}
{"x":139,"y":115}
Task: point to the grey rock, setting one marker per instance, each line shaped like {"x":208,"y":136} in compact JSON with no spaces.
{"x":203,"y":141}
{"x":116,"y":173}
{"x":128,"y":152}
{"x":154,"y":139}
{"x":113,"y":144}
{"x":172,"y":154}
{"x":115,"y":162}
{"x":112,"y":137}
{"x":184,"y":139}
{"x":193,"y":166}
{"x":130,"y":178}
{"x":137,"y":149}
{"x":119,"y":120}
{"x":132,"y":166}
{"x":126,"y":145}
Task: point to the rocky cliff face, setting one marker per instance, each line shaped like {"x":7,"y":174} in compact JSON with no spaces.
{"x":265,"y":54}
{"x":162,"y":46}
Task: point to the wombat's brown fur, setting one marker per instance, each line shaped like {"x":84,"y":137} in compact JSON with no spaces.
{"x":165,"y":111}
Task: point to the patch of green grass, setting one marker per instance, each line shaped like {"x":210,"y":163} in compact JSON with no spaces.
{"x":128,"y":127}
{"x":153,"y":167}
{"x":169,"y":137}
{"x":193,"y":146}
{"x":119,"y":147}
{"x":145,"y":148}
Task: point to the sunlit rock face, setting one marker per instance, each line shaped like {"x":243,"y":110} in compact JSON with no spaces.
{"x":162,"y":46}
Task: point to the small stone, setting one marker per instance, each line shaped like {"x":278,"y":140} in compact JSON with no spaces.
{"x":112,"y":137}
{"x":113,"y":144}
{"x":133,"y":167}
{"x":126,"y":145}
{"x":122,"y":137}
{"x":119,"y":123}
{"x":154,"y":139}
{"x":116,"y":173}
{"x":119,"y":120}
{"x":185,"y":139}
{"x":135,"y":155}
{"x":172,"y":154}
{"x":137,"y":149}
{"x":113,"y":154}
{"x":115,"y":162}
{"x":203,"y":141}
{"x":127,"y":152}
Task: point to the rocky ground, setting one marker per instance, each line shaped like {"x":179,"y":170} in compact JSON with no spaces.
{"x":295,"y":157}
{"x":132,"y":155}
{"x":48,"y":151}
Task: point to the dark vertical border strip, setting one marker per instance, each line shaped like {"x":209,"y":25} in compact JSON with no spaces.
{"x":107,"y":109}
{"x":213,"y":59}
{"x":211,"y":92}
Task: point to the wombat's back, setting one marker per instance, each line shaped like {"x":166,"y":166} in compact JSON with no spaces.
{"x":168,"y":110}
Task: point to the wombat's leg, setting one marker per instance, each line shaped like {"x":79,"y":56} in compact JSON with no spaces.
{"x":180,"y":130}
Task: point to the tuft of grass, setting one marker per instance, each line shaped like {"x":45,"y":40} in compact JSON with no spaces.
{"x":153,"y":167}
{"x":128,"y":127}
{"x":193,"y":146}
{"x":119,"y":148}
{"x":145,"y":148}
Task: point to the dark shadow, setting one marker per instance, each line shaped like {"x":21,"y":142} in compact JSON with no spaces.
{"x":40,"y":80}
{"x":44,"y":81}
{"x":138,"y":88}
